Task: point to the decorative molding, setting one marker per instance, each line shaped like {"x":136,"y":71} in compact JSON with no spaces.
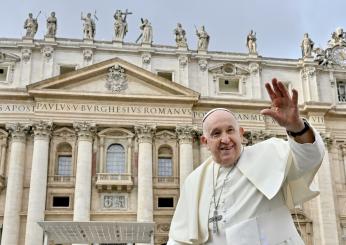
{"x":42,"y":129}
{"x":327,"y":139}
{"x":185,"y":134}
{"x":308,"y":72}
{"x":111,"y":201}
{"x":116,"y":79}
{"x":18,"y":131}
{"x":146,"y":58}
{"x":88,"y":54}
{"x":183,"y":61}
{"x":203,"y":64}
{"x":85,"y":130}
{"x":26,"y":54}
{"x":145,"y":133}
{"x":47,"y":52}
{"x":254,"y":68}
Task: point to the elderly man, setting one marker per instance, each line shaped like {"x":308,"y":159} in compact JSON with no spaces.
{"x":242,"y":195}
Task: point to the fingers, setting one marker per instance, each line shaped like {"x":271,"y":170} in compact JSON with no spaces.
{"x":270,"y":113}
{"x":295,"y":97}
{"x":270,"y":91}
{"x":277,"y":90}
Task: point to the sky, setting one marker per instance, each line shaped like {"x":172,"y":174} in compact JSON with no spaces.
{"x":279,"y":25}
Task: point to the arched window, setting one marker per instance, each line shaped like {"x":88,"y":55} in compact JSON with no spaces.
{"x":115,"y":162}
{"x":165,"y":162}
{"x":64,"y":160}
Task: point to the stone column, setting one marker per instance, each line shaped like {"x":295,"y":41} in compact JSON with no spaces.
{"x":145,"y":172}
{"x":82,"y":192}
{"x":326,"y":205}
{"x":14,"y":190}
{"x":343,"y":149}
{"x":38,"y":183}
{"x":183,"y":78}
{"x":102,"y":149}
{"x":3,"y":146}
{"x":48,"y":61}
{"x":185,"y":135}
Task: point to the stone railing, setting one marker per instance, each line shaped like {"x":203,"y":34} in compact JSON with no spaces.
{"x":61,"y":180}
{"x":166,"y":180}
{"x":111,"y":181}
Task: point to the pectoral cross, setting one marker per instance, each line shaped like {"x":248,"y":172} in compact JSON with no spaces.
{"x":215,"y":219}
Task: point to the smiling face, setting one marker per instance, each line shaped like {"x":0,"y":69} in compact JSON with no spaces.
{"x":223,"y":137}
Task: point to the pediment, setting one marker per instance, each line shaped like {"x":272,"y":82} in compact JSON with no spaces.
{"x":6,"y":57}
{"x":113,"y":78}
{"x":229,"y":69}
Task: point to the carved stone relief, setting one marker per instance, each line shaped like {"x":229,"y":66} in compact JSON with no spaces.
{"x":116,"y":79}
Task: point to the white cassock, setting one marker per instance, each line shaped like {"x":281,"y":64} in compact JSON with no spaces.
{"x":270,"y":177}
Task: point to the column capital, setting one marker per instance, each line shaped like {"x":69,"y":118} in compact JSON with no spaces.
{"x":343,"y":149}
{"x":18,"y":131}
{"x":42,"y":129}
{"x":327,"y":139}
{"x":145,"y":133}
{"x":85,"y":130}
{"x":185,"y":133}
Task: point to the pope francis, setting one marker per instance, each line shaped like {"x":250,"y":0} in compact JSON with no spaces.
{"x":242,"y":195}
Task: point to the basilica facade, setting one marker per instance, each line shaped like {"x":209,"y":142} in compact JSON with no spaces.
{"x":97,"y":131}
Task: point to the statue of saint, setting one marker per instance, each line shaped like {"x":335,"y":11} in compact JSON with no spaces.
{"x":89,"y":26}
{"x":120,"y":24}
{"x":251,"y":42}
{"x":51,"y":25}
{"x":31,"y":26}
{"x":147,"y":32}
{"x":180,"y":38}
{"x":203,"y":39}
{"x":338,"y":38}
{"x":307,"y":46}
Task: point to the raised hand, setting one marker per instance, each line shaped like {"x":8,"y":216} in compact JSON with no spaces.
{"x":284,"y":108}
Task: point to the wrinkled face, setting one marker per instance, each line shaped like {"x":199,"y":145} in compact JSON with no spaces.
{"x":223,"y":137}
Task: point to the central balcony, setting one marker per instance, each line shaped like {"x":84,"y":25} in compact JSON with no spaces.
{"x":112,"y":181}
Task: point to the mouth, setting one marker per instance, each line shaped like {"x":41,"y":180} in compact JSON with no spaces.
{"x":227,"y":147}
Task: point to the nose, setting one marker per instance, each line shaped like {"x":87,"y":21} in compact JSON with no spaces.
{"x":225,"y":138}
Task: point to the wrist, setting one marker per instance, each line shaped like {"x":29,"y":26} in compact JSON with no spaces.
{"x":299,"y":130}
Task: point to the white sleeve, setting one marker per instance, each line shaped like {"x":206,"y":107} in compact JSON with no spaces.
{"x":306,"y":157}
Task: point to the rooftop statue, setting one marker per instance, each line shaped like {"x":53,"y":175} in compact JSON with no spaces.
{"x":180,"y":38}
{"x":338,"y":38}
{"x":307,"y":46}
{"x":89,"y":26}
{"x":120,"y":24}
{"x":251,"y":42}
{"x":147,"y":32}
{"x":31,"y":25}
{"x":203,"y":39}
{"x":51,"y":25}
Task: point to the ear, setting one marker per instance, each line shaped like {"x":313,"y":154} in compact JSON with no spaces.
{"x":204,"y":140}
{"x":241,"y":132}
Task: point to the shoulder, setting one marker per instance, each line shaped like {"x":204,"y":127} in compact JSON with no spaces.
{"x":272,"y":145}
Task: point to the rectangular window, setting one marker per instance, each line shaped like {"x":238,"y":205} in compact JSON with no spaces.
{"x":67,"y":69}
{"x":65,"y":165}
{"x":165,"y":202}
{"x":3,"y":73}
{"x":228,"y":85}
{"x":167,"y":75}
{"x":61,"y":201}
{"x":165,"y":167}
{"x":341,"y":91}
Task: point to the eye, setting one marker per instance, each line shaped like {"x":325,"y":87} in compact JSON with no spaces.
{"x":230,"y":130}
{"x":215,"y":134}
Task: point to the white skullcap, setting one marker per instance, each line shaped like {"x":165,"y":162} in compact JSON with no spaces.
{"x":213,"y":110}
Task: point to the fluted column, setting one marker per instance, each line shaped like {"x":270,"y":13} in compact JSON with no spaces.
{"x":185,"y":136}
{"x":14,"y":191}
{"x":82,"y":192}
{"x":38,"y":183}
{"x":145,"y":172}
{"x":326,"y":205}
{"x":343,"y":149}
{"x":203,"y":149}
